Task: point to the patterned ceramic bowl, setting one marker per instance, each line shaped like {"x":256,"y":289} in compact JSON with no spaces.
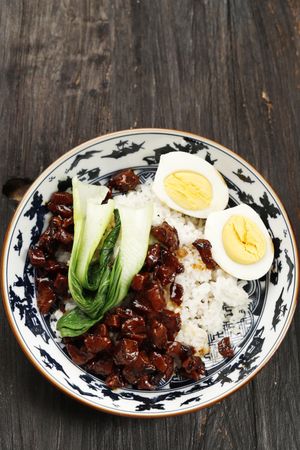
{"x":257,"y":336}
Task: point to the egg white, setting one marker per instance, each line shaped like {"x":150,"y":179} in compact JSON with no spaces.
{"x":213,"y":232}
{"x":181,"y":161}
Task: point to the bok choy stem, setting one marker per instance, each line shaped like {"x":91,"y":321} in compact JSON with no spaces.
{"x":97,"y":220}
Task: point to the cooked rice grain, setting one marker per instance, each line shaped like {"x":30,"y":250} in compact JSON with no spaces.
{"x":211,"y":298}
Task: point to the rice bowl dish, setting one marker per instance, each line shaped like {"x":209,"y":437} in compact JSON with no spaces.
{"x":265,"y":307}
{"x":137,"y":329}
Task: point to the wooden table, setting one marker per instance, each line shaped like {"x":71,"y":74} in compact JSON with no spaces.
{"x":75,"y":69}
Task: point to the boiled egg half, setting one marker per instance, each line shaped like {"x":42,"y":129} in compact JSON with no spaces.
{"x":190,"y":185}
{"x":241,"y":244}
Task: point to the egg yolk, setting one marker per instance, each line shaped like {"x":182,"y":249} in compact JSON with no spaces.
{"x":190,"y":190}
{"x":243,"y":241}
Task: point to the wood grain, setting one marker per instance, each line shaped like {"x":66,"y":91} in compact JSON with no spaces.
{"x":227,"y":70}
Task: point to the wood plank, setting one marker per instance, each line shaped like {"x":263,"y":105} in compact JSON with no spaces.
{"x":72,"y":70}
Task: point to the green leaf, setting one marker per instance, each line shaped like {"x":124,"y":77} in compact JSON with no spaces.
{"x":98,"y":217}
{"x":106,"y":253}
{"x":75,"y":323}
{"x":135,"y":231}
{"x":97,"y":286}
{"x":114,"y":285}
{"x":81,"y":194}
{"x":95,"y":308}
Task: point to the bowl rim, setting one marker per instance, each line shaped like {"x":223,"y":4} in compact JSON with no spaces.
{"x":82,"y":146}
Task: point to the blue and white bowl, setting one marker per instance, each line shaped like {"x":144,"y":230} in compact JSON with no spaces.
{"x":256,"y":337}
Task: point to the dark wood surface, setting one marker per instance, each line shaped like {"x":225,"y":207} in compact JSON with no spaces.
{"x":71,"y":70}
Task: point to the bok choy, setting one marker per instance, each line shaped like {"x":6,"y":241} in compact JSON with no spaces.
{"x":135,"y":230}
{"x":88,"y":311}
{"x":74,"y":323}
{"x":105,"y":255}
{"x":97,"y":220}
{"x":85,"y":197}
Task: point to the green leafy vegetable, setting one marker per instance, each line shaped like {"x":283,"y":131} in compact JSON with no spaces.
{"x":97,"y":220}
{"x":74,"y":323}
{"x":91,"y":304}
{"x":104,"y":273}
{"x":114,"y":285}
{"x":106,"y":253}
{"x":99,"y":284}
{"x":82,"y":195}
{"x":135,"y":230}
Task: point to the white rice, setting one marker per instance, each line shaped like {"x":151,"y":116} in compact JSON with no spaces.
{"x":206,"y":293}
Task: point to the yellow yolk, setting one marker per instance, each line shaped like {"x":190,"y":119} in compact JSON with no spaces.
{"x":243,"y":241}
{"x":190,"y":190}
